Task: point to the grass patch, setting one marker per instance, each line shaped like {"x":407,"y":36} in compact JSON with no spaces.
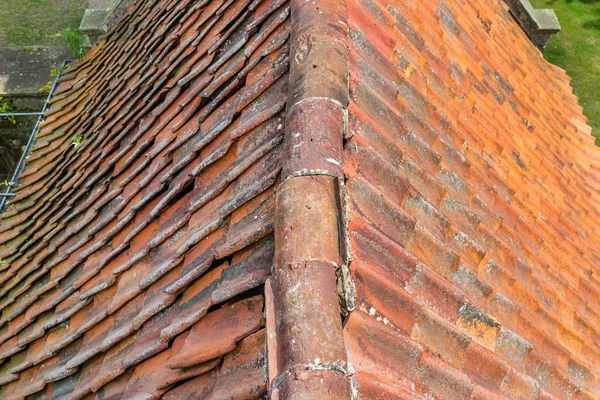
{"x":577,"y":50}
{"x":38,"y":22}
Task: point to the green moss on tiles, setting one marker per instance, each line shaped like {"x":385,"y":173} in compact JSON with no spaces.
{"x":77,"y":139}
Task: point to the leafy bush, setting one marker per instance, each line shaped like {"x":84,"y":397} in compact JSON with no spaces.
{"x":74,"y":42}
{"x":5,"y":107}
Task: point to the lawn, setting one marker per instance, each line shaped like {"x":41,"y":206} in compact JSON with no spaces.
{"x":577,"y":49}
{"x":38,"y":22}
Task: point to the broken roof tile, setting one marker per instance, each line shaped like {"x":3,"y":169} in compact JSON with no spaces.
{"x":218,"y":332}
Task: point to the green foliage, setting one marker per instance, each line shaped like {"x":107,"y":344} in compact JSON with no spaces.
{"x":46,"y":88}
{"x":5,"y":107}
{"x":576,"y":49}
{"x":2,"y":262}
{"x":53,"y":73}
{"x":56,"y":72}
{"x":77,"y":139}
{"x":74,"y":42}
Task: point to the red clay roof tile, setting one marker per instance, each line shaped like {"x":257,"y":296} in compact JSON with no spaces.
{"x":458,"y":101}
{"x":135,"y":261}
{"x":181,"y":111}
{"x":218,"y":332}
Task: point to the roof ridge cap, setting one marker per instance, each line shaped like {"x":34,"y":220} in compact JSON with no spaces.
{"x":305,"y":346}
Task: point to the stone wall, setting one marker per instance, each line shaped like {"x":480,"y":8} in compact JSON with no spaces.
{"x":13,"y":137}
{"x":99,"y":17}
{"x":23,"y":72}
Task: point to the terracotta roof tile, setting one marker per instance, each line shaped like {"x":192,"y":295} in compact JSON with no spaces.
{"x":435,"y":178}
{"x":218,"y":333}
{"x":162,"y":213}
{"x":241,"y":375}
{"x":378,"y":350}
{"x":454,"y":119}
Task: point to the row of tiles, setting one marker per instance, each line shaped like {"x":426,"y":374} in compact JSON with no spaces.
{"x":472,"y":229}
{"x":117,"y":248}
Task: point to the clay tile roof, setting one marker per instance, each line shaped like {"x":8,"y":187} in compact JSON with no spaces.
{"x":474,"y":202}
{"x":124,"y":253}
{"x":325,"y":199}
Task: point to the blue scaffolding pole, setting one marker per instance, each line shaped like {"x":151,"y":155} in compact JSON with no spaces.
{"x":27,"y":114}
{"x":21,"y":164}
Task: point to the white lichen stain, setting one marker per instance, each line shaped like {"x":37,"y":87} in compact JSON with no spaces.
{"x":332,"y":161}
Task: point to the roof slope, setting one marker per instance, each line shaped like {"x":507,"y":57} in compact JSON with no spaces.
{"x":141,"y":233}
{"x":146,"y":224}
{"x":474,"y":196}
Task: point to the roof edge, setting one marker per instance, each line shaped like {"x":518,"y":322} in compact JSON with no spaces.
{"x":305,"y":346}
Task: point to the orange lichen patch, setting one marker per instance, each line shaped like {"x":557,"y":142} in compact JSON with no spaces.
{"x":438,"y":381}
{"x":483,"y":328}
{"x":440,"y":337}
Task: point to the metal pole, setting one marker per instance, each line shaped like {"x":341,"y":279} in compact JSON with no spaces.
{"x":21,"y":164}
{"x":28,"y":114}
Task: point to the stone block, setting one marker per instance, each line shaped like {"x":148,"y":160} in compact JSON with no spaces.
{"x":23,"y":71}
{"x":93,"y":21}
{"x":546,"y":20}
{"x":538,"y":24}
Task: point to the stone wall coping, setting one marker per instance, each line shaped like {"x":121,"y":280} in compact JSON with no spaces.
{"x":538,"y":24}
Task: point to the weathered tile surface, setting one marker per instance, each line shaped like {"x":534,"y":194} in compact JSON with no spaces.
{"x":134,"y":262}
{"x":127,"y":253}
{"x":473,"y":193}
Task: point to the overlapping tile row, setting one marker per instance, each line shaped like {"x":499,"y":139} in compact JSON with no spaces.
{"x":473,"y":190}
{"x":135,"y":252}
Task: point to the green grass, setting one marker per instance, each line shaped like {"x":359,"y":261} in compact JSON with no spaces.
{"x":577,"y":50}
{"x":38,"y":22}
